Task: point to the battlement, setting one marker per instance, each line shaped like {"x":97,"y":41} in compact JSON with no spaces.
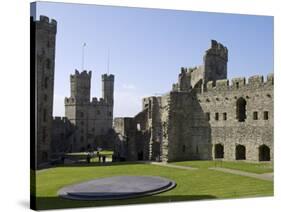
{"x":83,"y":74}
{"x":217,"y":49}
{"x":254,"y":82}
{"x":107,"y":77}
{"x":45,"y":23}
{"x":96,"y":101}
{"x":59,"y":119}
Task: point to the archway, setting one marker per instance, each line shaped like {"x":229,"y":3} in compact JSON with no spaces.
{"x":219,"y":151}
{"x":264,"y":153}
{"x":240,"y":152}
{"x":241,"y":109}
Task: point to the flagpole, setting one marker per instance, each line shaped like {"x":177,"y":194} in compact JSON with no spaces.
{"x":82,"y":65}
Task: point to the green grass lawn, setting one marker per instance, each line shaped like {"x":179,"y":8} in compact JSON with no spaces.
{"x":258,"y":168}
{"x":191,"y":184}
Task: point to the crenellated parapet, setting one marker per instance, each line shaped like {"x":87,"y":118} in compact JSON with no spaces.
{"x":100,"y":101}
{"x":254,"y":82}
{"x":107,"y":77}
{"x":217,"y":49}
{"x":83,"y":74}
{"x":44,"y":23}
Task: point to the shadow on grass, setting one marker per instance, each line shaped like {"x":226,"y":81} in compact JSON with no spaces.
{"x":45,"y":203}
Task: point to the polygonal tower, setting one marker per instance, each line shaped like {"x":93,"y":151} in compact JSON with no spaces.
{"x":215,"y":62}
{"x":108,"y":88}
{"x":43,"y":40}
{"x":80,"y":86}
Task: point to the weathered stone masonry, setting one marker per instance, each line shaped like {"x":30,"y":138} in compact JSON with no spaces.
{"x":207,"y":117}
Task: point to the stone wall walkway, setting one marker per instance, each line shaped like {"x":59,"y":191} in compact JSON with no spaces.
{"x":266,"y":176}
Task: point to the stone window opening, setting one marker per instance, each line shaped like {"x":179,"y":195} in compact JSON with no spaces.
{"x":219,"y":151}
{"x":208,"y":116}
{"x":241,"y":109}
{"x":265,"y":115}
{"x":217,"y":116}
{"x":183,"y":148}
{"x":46,"y":82}
{"x":255,"y":115}
{"x":82,"y":123}
{"x":48,"y":63}
{"x":44,"y":115}
{"x":44,"y":134}
{"x":224,"y":116}
{"x":109,"y":113}
{"x":237,"y":84}
{"x":240,"y":152}
{"x":264,"y":153}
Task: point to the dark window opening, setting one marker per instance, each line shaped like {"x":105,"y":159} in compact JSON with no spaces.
{"x":46,"y":82}
{"x":98,"y":112}
{"x":217,"y":116}
{"x":241,"y":109}
{"x":81,"y":114}
{"x":265,"y":115}
{"x":255,"y":115}
{"x":183,"y":148}
{"x":82,"y":139}
{"x":219,"y":151}
{"x":264,"y":153}
{"x":109,"y":113}
{"x":237,"y":84}
{"x":44,"y":134}
{"x":44,"y":115}
{"x":240,"y":152}
{"x":208,"y":116}
{"x":48,"y":63}
{"x":224,"y":116}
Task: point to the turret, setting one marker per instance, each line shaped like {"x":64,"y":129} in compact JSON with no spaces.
{"x":215,"y":62}
{"x":108,"y":88}
{"x":80,"y":85}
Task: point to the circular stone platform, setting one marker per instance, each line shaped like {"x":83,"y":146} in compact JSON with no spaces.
{"x":119,"y":187}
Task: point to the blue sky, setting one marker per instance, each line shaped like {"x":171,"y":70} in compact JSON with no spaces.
{"x":148,"y":46}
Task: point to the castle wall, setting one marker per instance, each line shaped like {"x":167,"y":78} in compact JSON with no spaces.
{"x":230,"y":132}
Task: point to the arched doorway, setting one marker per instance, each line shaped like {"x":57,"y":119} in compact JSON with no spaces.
{"x":219,"y":151}
{"x":264,"y":153}
{"x":241,"y":109}
{"x":240,"y":152}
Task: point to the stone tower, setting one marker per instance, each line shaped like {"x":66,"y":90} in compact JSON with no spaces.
{"x":215,"y":62}
{"x":43,"y":32}
{"x":77,"y":105}
{"x":81,"y":86}
{"x":108,"y":88}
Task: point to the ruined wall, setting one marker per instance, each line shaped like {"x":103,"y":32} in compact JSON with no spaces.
{"x":189,"y":133}
{"x":220,"y":102}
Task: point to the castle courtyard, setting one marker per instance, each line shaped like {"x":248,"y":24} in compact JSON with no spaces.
{"x":196,"y":180}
